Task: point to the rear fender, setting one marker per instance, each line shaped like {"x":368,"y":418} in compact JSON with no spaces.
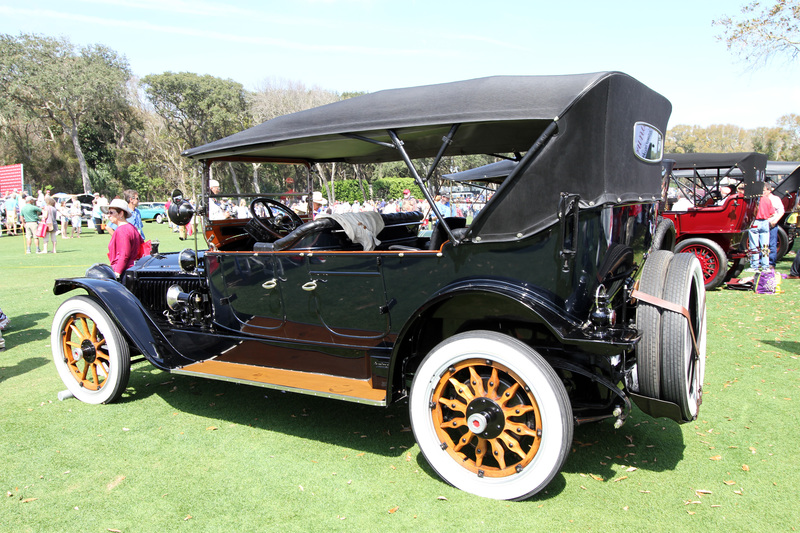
{"x":133,"y":320}
{"x":507,"y":301}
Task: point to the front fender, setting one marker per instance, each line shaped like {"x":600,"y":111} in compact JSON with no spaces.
{"x":132,"y":319}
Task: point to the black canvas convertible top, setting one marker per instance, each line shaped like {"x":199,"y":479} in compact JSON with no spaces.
{"x":421,"y":113}
{"x":748,"y":166}
{"x":582,"y":127}
{"x":791,"y":182}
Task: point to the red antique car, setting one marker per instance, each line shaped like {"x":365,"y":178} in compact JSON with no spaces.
{"x":712,"y":201}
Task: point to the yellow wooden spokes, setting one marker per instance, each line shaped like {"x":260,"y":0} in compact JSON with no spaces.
{"x":77,"y":331}
{"x":515,"y":446}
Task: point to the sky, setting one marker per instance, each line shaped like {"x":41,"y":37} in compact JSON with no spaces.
{"x":369,"y":45}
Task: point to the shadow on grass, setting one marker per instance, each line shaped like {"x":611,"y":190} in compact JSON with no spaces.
{"x":22,"y":367}
{"x":23,"y":330}
{"x":603,"y":453}
{"x":553,"y":489}
{"x":376,"y":430}
{"x":598,"y":450}
{"x":792,"y":347}
{"x":644,"y":443}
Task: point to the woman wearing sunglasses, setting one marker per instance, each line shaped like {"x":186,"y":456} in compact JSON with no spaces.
{"x":126,"y":242}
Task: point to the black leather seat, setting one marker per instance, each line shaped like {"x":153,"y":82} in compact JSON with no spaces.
{"x":456,"y":224}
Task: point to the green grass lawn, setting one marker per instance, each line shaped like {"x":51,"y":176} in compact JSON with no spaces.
{"x":182,"y":454}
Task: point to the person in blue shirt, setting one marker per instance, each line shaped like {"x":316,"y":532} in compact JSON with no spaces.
{"x":132,"y":197}
{"x":443,"y":205}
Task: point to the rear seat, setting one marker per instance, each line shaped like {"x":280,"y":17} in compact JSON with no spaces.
{"x":399,"y":228}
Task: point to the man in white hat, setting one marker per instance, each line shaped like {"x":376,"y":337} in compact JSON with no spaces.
{"x":319,"y":203}
{"x":215,"y":211}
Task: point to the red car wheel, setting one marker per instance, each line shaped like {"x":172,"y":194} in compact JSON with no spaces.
{"x":713,"y":260}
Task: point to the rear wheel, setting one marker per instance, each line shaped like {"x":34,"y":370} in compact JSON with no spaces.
{"x":713,"y":260}
{"x":90,"y":353}
{"x":159,"y":218}
{"x":683,"y":367}
{"x":490,"y":415}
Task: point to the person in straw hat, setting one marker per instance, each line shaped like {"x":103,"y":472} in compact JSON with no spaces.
{"x":126,"y":242}
{"x":319,"y":202}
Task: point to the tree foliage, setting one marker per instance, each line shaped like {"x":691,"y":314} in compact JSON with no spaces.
{"x":276,"y":97}
{"x":75,"y":117}
{"x":778,"y":143}
{"x":389,"y":188}
{"x":61,"y":84}
{"x":199,"y":109}
{"x":763,"y":30}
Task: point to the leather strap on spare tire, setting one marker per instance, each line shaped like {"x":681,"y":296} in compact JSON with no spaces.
{"x":664,"y":304}
{"x":648,"y":319}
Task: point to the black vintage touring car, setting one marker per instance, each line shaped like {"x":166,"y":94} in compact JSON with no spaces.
{"x":553,"y":307}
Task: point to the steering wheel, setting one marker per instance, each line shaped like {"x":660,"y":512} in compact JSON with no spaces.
{"x":276,"y":218}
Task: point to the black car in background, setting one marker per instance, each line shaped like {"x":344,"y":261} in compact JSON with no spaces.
{"x":553,"y":307}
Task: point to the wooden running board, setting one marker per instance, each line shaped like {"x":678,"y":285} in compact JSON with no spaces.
{"x":354,"y":390}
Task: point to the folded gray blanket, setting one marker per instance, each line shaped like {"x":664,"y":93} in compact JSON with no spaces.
{"x":362,"y":228}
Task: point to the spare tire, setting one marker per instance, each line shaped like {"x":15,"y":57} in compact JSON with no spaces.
{"x":648,"y":321}
{"x":683,"y":366}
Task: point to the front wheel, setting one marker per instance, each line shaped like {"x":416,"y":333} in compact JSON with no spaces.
{"x":90,"y":353}
{"x":159,"y":218}
{"x":490,"y":415}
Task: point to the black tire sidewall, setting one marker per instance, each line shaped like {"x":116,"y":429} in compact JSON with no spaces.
{"x":683,"y":286}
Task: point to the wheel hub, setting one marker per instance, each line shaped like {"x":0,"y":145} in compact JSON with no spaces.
{"x":485,"y":418}
{"x":86,"y":351}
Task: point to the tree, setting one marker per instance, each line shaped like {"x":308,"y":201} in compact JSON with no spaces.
{"x":771,"y":142}
{"x":715,"y":138}
{"x":763,"y":30}
{"x":790,"y":124}
{"x":199,"y":109}
{"x":276,"y":97}
{"x":53,"y":80}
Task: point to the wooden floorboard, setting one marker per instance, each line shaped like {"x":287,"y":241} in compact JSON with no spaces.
{"x":289,"y":379}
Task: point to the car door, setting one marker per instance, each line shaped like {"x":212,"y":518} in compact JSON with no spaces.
{"x":348,"y":294}
{"x":253,"y":292}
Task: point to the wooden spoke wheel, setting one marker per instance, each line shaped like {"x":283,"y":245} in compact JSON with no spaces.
{"x":486,"y":418}
{"x":490,"y":415}
{"x":90,"y":353}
